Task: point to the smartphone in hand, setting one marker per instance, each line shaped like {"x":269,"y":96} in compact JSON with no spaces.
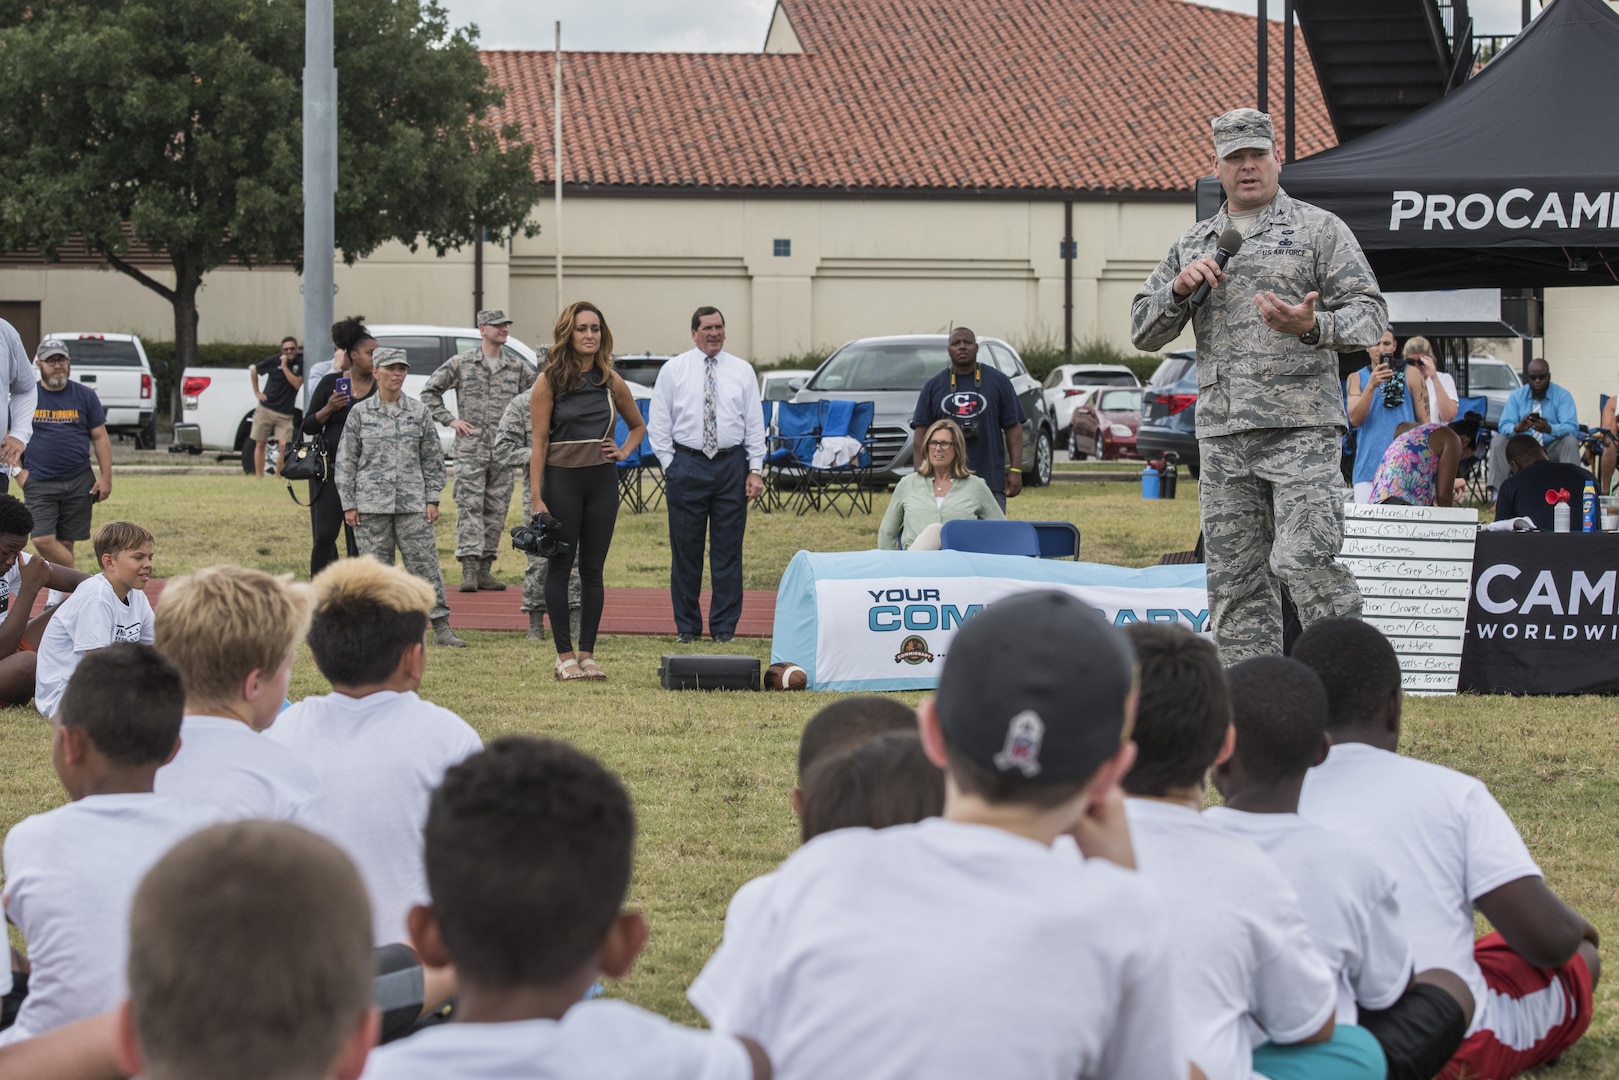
{"x":344,"y":385}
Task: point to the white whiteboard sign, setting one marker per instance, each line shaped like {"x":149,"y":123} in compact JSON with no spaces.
{"x":1414,"y":565}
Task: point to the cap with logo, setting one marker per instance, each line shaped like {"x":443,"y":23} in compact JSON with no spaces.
{"x":1036,"y":684}
{"x":389,"y":357}
{"x":493,"y":317}
{"x":51,"y":347}
{"x":1241,"y":129}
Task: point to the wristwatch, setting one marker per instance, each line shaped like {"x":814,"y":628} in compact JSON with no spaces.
{"x":1313,"y":335}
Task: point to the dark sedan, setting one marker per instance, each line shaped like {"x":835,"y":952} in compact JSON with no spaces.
{"x":1103,"y":425}
{"x":1169,"y":411}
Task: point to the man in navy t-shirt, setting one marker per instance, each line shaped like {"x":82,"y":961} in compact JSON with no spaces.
{"x":985,"y":404}
{"x":57,"y":482}
{"x":1534,"y":474}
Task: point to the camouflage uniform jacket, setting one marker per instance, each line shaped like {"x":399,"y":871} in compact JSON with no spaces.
{"x":514,"y":436}
{"x":390,"y":460}
{"x":1249,"y":376}
{"x":480,"y":394}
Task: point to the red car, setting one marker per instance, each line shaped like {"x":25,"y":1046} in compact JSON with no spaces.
{"x":1104,"y":424}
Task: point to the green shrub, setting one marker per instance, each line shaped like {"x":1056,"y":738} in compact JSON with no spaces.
{"x":806,"y":360}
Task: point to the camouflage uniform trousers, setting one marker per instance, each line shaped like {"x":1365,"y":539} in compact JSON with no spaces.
{"x":1272,"y":503}
{"x":483,"y":494}
{"x":534,"y":576}
{"x":379,"y":534}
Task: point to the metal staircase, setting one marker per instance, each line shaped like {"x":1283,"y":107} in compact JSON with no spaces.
{"x":1379,"y":61}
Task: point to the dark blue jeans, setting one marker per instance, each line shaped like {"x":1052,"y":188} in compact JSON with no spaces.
{"x":708,"y":505}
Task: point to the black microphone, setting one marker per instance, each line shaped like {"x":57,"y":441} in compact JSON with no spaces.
{"x":1230,"y":244}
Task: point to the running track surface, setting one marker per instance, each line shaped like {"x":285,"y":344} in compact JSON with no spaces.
{"x":628,"y":611}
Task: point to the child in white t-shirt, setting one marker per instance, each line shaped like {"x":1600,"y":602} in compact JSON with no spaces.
{"x":1253,"y":992}
{"x":1280,"y":715}
{"x":22,"y":576}
{"x":377,"y":749}
{"x":529,"y":849}
{"x":109,"y":607}
{"x":250,"y":955}
{"x":982,"y":943}
{"x":1451,"y":850}
{"x":70,"y":873}
{"x":233,"y":633}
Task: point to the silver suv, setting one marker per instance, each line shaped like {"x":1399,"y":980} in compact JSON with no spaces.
{"x":890,"y":372}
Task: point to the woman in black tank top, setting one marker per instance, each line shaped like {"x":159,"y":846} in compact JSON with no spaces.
{"x":573,"y":471}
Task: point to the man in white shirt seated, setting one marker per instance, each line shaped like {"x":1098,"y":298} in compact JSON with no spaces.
{"x":1452,"y":850}
{"x":707,"y":428}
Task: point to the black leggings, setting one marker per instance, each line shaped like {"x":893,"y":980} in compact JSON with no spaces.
{"x":585,"y":503}
{"x":326,"y":521}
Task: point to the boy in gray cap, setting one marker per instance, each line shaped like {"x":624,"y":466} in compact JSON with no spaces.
{"x":484,"y":378}
{"x":1269,"y":409}
{"x":390,"y":471}
{"x":981,"y":943}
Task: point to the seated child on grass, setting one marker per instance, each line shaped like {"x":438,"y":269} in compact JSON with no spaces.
{"x":22,"y":576}
{"x":249,"y":958}
{"x":843,"y":725}
{"x":71,"y":872}
{"x":376,"y":748}
{"x":109,"y":607}
{"x":974,"y":944}
{"x":233,"y":632}
{"x":529,"y":849}
{"x":1451,"y":850}
{"x":1280,"y":713}
{"x":885,"y":781}
{"x":1246,"y":968}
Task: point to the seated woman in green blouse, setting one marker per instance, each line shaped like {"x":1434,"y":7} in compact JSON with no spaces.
{"x":941,"y":490}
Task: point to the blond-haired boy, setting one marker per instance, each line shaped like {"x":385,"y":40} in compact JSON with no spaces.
{"x":233,"y":632}
{"x":377,"y":749}
{"x":109,"y":607}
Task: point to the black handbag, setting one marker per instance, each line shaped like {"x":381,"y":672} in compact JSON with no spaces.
{"x":306,"y":460}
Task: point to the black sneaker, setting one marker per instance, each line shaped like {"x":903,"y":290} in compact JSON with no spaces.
{"x":686,"y":639}
{"x":724,"y":639}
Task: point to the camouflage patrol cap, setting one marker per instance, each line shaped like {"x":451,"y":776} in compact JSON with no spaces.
{"x":493,"y":317}
{"x":388,"y":357}
{"x":1240,"y":129}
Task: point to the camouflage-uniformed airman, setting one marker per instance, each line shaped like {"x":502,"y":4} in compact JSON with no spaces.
{"x":390,"y":471}
{"x":514,"y":442}
{"x":484,"y":379}
{"x":1269,"y":409}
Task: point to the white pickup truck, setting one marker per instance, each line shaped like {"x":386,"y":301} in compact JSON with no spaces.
{"x":116,"y":368}
{"x":218,"y":403}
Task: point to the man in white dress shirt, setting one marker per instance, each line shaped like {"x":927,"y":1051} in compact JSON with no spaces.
{"x":707,"y":429}
{"x":19,"y":393}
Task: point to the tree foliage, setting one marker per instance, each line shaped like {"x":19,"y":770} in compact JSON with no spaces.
{"x":175,"y":126}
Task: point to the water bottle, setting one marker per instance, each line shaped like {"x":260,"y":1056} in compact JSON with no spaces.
{"x":1560,"y":517}
{"x":1590,"y":509}
{"x":1149,"y":483}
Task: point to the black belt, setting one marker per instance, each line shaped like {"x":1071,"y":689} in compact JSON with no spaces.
{"x":724,"y":451}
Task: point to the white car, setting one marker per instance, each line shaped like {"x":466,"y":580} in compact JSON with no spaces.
{"x":778,"y":385}
{"x":1493,"y":380}
{"x":116,"y":368}
{"x":1067,"y":383}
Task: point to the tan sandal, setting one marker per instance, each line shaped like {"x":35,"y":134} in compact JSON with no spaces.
{"x":569,"y":670}
{"x":591,"y":670}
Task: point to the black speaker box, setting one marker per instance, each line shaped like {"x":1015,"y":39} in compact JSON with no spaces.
{"x":695,"y":672}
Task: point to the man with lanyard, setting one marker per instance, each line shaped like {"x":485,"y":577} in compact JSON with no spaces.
{"x":987,"y":410}
{"x":1269,"y":405}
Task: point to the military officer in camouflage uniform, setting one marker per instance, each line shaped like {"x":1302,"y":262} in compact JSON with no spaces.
{"x":1269,"y":409}
{"x":514,"y":442}
{"x":390,"y":471}
{"x":484,"y":379}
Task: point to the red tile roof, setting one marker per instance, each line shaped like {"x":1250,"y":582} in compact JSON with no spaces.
{"x":899,"y":96}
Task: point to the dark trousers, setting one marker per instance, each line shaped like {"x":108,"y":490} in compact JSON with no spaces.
{"x":707,"y":503}
{"x":585,"y":502}
{"x":326,"y":521}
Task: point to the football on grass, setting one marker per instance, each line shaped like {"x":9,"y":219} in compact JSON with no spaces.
{"x":785,"y":677}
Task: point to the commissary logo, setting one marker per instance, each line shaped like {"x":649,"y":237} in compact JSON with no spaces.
{"x":913,"y":650}
{"x":1518,"y":208}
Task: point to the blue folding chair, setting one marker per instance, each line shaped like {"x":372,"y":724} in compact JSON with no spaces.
{"x":639,"y":469}
{"x":792,"y":448}
{"x":834,"y":487}
{"x":990,"y":537}
{"x":1058,"y":539}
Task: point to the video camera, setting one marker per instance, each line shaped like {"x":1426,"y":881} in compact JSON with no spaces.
{"x":542,"y":536}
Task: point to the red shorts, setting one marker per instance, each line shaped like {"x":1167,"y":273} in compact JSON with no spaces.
{"x":1538,"y":1014}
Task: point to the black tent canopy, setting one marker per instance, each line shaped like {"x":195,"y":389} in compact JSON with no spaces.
{"x":1510,"y":181}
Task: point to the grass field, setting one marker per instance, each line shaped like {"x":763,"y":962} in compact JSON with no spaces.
{"x":711,"y":773}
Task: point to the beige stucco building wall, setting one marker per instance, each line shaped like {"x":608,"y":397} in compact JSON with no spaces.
{"x":857,"y":267}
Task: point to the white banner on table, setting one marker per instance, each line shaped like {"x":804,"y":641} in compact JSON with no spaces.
{"x":1414,"y":565}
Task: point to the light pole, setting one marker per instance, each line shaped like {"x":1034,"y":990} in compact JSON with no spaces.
{"x":320,"y":175}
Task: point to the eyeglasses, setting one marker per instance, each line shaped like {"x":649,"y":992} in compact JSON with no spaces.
{"x":290,"y":350}
{"x":946,"y":445}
